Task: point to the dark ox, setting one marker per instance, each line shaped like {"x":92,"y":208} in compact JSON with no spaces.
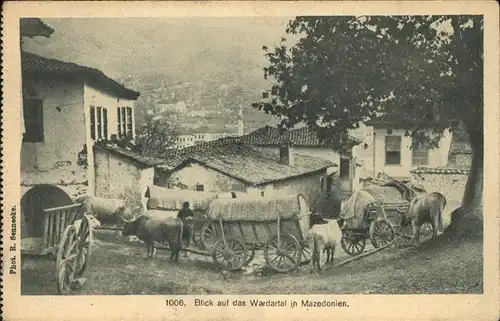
{"x":428,"y":208}
{"x":151,"y":229}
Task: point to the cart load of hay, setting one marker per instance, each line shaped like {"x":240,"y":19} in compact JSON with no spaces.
{"x":106,"y":210}
{"x":257,"y":219}
{"x":392,"y":192}
{"x":166,"y":199}
{"x":256,"y":208}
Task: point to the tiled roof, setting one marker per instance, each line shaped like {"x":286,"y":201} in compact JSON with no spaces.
{"x":245,"y":163}
{"x":127,"y":151}
{"x":34,"y":65}
{"x":441,"y":170}
{"x":300,"y":137}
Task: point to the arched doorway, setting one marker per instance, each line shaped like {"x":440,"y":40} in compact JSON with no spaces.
{"x":34,"y":201}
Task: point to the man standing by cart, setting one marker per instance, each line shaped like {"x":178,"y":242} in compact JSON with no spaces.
{"x":186,"y":215}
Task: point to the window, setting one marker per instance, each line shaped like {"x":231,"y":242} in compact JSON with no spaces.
{"x":200,"y":188}
{"x":33,"y":120}
{"x":125,"y":122}
{"x":92,"y":122}
{"x":419,"y":155}
{"x":393,"y":150}
{"x":98,"y":122}
{"x":262,"y":193}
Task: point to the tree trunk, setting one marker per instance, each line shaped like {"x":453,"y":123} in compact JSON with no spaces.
{"x":468,"y":219}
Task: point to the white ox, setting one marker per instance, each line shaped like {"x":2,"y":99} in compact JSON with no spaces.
{"x":324,"y":237}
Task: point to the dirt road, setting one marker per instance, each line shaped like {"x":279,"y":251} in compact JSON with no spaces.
{"x":122,"y":269}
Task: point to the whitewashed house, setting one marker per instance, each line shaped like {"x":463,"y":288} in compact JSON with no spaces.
{"x":227,"y":165}
{"x":393,"y":155}
{"x":306,"y":142}
{"x":66,"y":108}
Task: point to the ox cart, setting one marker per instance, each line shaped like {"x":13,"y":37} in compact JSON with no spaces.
{"x":237,"y":228}
{"x":167,"y":202}
{"x":375,"y":212}
{"x":61,"y":231}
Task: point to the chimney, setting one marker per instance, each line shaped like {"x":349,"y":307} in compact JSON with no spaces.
{"x":240,"y":121}
{"x":286,"y":154}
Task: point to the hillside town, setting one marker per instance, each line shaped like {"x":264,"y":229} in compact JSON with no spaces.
{"x":79,"y":136}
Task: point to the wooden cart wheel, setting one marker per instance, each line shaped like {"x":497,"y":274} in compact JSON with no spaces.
{"x":208,"y":236}
{"x":85,"y":236}
{"x":284,"y":254}
{"x":381,"y":232}
{"x":230,"y":255}
{"x":251,"y":256}
{"x":353,"y":244}
{"x":66,"y":260}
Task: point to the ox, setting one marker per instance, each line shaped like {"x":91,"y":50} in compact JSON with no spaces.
{"x":105,"y":210}
{"x":324,"y":237}
{"x":428,"y":208}
{"x":150,"y":229}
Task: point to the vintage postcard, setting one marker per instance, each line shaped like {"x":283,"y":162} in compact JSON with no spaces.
{"x":250,"y":160}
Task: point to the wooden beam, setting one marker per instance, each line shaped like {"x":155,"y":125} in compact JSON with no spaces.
{"x":355,"y":258}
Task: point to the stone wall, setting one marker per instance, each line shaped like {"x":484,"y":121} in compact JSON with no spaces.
{"x":451,"y":184}
{"x":117,"y":177}
{"x":194,"y":174}
{"x":308,"y":185}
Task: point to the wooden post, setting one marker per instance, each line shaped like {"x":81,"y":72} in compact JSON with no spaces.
{"x":46,"y":234}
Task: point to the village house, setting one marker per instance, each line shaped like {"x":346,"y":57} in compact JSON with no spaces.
{"x":393,"y":155}
{"x":121,"y":172}
{"x":227,"y":165}
{"x":306,"y":142}
{"x":66,"y":108}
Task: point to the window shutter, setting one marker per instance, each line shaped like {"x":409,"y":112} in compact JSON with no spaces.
{"x":124,"y":130}
{"x":129,"y":123}
{"x":105,"y":122}
{"x":99,"y":122}
{"x":118,"y":122}
{"x":33,"y":120}
{"x":92,"y":122}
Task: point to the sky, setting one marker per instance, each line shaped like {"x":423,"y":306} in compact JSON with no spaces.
{"x":124,"y":46}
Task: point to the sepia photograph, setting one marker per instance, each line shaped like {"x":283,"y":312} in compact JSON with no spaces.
{"x":250,"y":155}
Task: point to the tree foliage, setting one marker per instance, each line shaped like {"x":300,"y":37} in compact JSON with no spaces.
{"x":155,"y":137}
{"x":34,"y":27}
{"x":409,"y":70}
{"x":422,"y":73}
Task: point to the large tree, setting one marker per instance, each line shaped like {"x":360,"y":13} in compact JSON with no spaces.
{"x":423,"y":72}
{"x":156,"y":136}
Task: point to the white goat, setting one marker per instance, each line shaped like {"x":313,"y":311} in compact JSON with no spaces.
{"x":324,"y":237}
